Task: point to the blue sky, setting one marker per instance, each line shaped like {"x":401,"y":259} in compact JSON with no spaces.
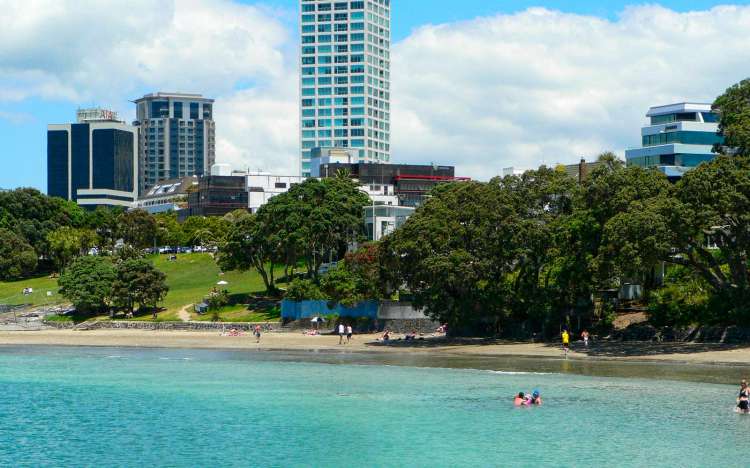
{"x":43,"y":96}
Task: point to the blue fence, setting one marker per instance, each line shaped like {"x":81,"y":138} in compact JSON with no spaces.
{"x":293,"y":310}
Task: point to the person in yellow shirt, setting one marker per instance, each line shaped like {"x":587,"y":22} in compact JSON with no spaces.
{"x":566,"y":341}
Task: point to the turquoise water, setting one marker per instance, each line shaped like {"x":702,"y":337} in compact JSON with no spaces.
{"x":119,"y":407}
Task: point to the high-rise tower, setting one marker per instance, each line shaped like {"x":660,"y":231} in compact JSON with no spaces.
{"x":345,"y":78}
{"x":177,"y":137}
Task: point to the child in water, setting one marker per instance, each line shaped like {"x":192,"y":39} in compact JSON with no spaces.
{"x":520,"y":400}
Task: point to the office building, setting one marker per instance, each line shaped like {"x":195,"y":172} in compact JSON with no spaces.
{"x":216,"y":196}
{"x":177,"y":137}
{"x":410,"y":184}
{"x":677,"y":138}
{"x":345,"y":78}
{"x":94,"y":161}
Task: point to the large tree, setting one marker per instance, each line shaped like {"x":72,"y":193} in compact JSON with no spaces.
{"x":734,"y":118}
{"x":87,"y":283}
{"x":248,"y":245}
{"x":66,"y":243}
{"x":137,"y":228}
{"x":17,"y":257}
{"x":316,"y":221}
{"x":137,"y":282}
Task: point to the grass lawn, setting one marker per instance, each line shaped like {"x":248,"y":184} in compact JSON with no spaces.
{"x":11,"y":292}
{"x":190,"y":278}
{"x":239,"y":313}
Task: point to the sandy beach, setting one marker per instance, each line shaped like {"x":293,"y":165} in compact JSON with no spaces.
{"x":695,"y":353}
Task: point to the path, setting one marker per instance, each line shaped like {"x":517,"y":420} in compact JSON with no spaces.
{"x":183,"y":313}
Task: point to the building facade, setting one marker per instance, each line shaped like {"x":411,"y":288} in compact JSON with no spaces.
{"x":410,"y":184}
{"x":345,"y":78}
{"x":216,"y":196}
{"x":262,"y":186}
{"x":677,"y":138}
{"x":177,"y":137}
{"x":94,"y":161}
{"x":167,"y":195}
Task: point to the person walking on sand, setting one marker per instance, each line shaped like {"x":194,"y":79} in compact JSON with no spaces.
{"x":257,"y":333}
{"x":349,"y":333}
{"x":565,"y":341}
{"x":342,"y":331}
{"x":585,"y":336}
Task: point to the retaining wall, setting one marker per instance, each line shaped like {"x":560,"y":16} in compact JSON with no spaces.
{"x":175,"y":326}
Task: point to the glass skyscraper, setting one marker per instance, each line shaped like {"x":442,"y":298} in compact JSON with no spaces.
{"x":94,"y":161}
{"x":345,"y":78}
{"x":177,"y":137}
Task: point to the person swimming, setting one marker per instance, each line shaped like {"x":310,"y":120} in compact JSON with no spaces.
{"x":520,"y":399}
{"x":536,"y":398}
{"x":743,"y":400}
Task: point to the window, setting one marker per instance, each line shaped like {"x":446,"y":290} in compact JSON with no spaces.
{"x":341,"y":17}
{"x":324,"y":49}
{"x":357,"y":69}
{"x":324,"y":27}
{"x":339,"y":27}
{"x":357,"y":15}
{"x":342,"y":59}
{"x":324,"y":91}
{"x":357,"y":5}
{"x":342,"y":79}
{"x":324,"y":18}
{"x":324,"y":70}
{"x":324,"y":38}
{"x":309,"y":60}
{"x":308,"y":81}
{"x":308,"y":39}
{"x":280,"y":185}
{"x":341,"y":6}
{"x":307,"y":71}
{"x":308,"y":102}
{"x":308,"y":50}
{"x":177,"y":108}
{"x":322,"y":59}
{"x":308,"y":8}
{"x":308,"y":112}
{"x":341,"y":38}
{"x":308,"y":91}
{"x":343,"y":48}
{"x":308,"y":18}
{"x":358,"y":26}
{"x":308,"y":124}
{"x":324,"y":80}
{"x":358,"y":37}
{"x":358,"y":90}
{"x":324,"y":112}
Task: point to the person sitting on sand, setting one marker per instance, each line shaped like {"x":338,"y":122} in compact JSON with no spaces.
{"x":386,"y":335}
{"x":743,"y":400}
{"x":520,"y":399}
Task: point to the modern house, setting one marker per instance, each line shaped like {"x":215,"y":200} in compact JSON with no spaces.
{"x":677,"y":138}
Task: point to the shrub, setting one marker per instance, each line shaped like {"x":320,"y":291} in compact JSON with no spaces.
{"x":304,"y":290}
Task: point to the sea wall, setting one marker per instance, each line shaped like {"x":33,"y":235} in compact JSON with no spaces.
{"x":172,"y":326}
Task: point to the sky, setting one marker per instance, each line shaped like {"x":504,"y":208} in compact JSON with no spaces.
{"x":478,"y":84}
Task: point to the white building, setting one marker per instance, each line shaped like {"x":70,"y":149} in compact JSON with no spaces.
{"x":262,"y":186}
{"x":168,"y":195}
{"x":345,"y":78}
{"x":383,"y":220}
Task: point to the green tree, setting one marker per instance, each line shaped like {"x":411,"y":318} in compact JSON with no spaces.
{"x":17,"y":257}
{"x":87,"y":283}
{"x":66,"y":243}
{"x":104,"y":222}
{"x":137,"y":282}
{"x":246,"y":247}
{"x":315,"y":221}
{"x":734,"y":118}
{"x":168,"y":231}
{"x":34,"y":215}
{"x":137,"y":228}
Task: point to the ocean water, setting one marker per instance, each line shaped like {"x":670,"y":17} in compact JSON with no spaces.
{"x":125,"y":407}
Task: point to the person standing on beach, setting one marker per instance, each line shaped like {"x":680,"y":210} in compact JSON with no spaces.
{"x":257,"y":333}
{"x":585,"y":336}
{"x":342,"y":331}
{"x":349,"y":333}
{"x":565,"y":341}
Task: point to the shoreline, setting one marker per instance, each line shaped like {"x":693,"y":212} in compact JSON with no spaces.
{"x":633,"y":352}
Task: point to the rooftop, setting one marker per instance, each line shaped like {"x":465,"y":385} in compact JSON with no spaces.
{"x":165,"y":95}
{"x":679,"y":107}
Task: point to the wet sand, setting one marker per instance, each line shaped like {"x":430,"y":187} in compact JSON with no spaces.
{"x":690,"y":353}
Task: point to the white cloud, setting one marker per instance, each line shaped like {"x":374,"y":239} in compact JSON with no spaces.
{"x":522,"y":89}
{"x":545,"y":87}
